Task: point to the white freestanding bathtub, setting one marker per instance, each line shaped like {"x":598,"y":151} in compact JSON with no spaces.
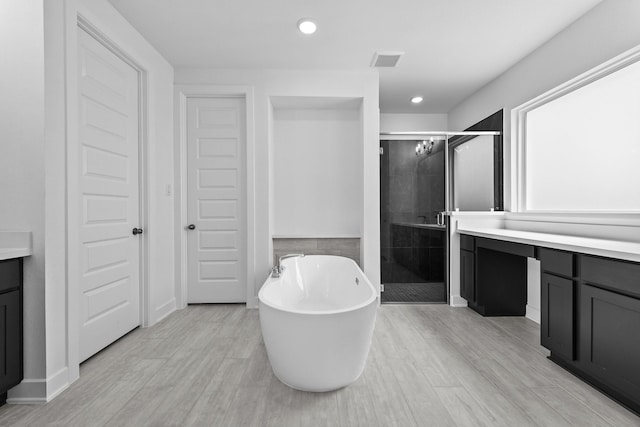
{"x":317,"y":321}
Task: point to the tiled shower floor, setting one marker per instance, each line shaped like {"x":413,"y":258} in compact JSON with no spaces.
{"x":414,"y":292}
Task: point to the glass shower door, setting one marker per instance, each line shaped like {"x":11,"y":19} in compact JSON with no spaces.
{"x":412,"y":234}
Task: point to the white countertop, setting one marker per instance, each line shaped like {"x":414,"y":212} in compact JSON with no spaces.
{"x":15,"y":244}
{"x":629,"y":251}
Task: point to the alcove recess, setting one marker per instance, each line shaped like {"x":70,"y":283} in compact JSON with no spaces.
{"x":316,"y":147}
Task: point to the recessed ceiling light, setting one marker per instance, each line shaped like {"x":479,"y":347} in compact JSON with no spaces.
{"x":307,"y":26}
{"x":416,"y":99}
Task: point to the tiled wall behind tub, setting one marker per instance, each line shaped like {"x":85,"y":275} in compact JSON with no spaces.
{"x":346,"y":247}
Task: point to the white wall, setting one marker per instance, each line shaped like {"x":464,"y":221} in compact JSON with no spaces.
{"x":583,"y":45}
{"x":22,"y":158}
{"x":298,"y":83}
{"x":317,"y":173}
{"x":42,"y":98}
{"x":397,"y":122}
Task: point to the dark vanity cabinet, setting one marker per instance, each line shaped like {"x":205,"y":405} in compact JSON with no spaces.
{"x":609,"y":326}
{"x":11,"y":372}
{"x":590,"y":320}
{"x":557,"y":288}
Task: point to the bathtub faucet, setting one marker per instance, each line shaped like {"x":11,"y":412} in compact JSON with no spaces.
{"x":279,"y":268}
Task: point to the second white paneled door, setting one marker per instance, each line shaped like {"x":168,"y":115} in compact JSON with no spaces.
{"x":109,"y":196}
{"x":216,"y":266}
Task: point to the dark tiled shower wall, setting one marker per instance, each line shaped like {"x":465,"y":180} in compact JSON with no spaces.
{"x":346,"y":247}
{"x":420,"y":251}
{"x":411,"y":188}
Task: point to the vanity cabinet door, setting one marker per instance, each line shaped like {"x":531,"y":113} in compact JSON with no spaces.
{"x":10,"y":340}
{"x":609,"y":339}
{"x":467,"y":276}
{"x":557,"y":315}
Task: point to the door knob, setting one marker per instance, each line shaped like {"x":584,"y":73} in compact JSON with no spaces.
{"x":136,"y":231}
{"x":191,"y":226}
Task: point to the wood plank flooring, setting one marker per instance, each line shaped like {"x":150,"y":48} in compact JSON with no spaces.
{"x":430,"y":365}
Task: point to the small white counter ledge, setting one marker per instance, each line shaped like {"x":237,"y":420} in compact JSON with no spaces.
{"x":629,"y":251}
{"x":15,"y":244}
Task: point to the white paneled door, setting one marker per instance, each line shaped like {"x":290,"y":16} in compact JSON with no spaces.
{"x":216,"y":269}
{"x":109,"y":196}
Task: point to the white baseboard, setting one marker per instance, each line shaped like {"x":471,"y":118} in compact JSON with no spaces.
{"x":253,"y":302}
{"x":57,"y":383}
{"x":457,"y":301}
{"x":533,"y":313}
{"x":31,"y":390}
{"x":164,"y":310}
{"x":39,"y":390}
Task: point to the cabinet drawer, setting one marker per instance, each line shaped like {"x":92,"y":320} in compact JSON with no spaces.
{"x":556,"y":262}
{"x":467,"y":243}
{"x":10,"y":274}
{"x":620,"y":276}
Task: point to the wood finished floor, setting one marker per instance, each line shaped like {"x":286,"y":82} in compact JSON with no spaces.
{"x":430,"y":365}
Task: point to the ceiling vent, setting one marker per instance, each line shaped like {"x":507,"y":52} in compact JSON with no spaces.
{"x":386,"y":59}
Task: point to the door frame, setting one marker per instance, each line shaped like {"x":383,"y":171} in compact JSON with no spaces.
{"x":73,"y":199}
{"x":182,"y":94}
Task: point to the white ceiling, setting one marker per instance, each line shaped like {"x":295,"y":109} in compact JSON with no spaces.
{"x":452,"y":47}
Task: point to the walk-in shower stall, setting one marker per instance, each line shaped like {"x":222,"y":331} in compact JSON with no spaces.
{"x":423,"y":177}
